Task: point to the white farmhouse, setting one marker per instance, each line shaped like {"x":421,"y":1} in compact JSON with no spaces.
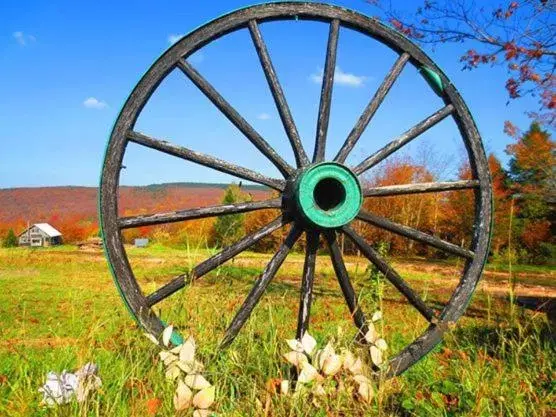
{"x":40,"y":234}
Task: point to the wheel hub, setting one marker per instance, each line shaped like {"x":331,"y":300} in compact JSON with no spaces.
{"x":328,"y":195}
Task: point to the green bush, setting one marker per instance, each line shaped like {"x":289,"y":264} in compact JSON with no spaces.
{"x":10,"y":241}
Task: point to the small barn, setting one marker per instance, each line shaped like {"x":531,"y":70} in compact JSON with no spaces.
{"x":40,"y":234}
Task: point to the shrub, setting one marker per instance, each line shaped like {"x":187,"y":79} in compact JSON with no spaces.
{"x":10,"y":241}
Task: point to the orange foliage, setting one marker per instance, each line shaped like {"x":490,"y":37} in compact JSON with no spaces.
{"x":501,"y":194}
{"x":73,"y":210}
{"x":535,"y":153}
{"x":255,"y":220}
{"x":418,"y":211}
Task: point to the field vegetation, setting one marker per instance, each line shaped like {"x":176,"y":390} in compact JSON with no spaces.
{"x":59,"y":310}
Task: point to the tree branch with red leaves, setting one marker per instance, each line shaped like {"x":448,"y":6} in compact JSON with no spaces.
{"x":518,"y":35}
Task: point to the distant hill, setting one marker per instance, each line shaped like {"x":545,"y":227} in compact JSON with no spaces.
{"x":19,"y":205}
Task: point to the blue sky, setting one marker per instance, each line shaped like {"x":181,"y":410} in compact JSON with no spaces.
{"x":66,"y":68}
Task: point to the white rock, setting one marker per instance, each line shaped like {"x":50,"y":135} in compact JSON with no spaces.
{"x":349,"y":359}
{"x":381,"y":344}
{"x":197,"y":382}
{"x":295,"y":358}
{"x":204,"y":398}
{"x":182,"y":397}
{"x":172,"y":372}
{"x":167,"y":334}
{"x":167,"y":357}
{"x":323,"y":354}
{"x":366,"y":393}
{"x":332,"y":365}
{"x":371,"y":335}
{"x":59,"y":389}
{"x":295,"y":344}
{"x":309,"y":343}
{"x":308,"y":373}
{"x":376,"y":355}
{"x":187,"y":352}
{"x":357,"y":367}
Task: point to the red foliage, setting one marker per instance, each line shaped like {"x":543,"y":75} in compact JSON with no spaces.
{"x":536,"y":232}
{"x":73,"y":210}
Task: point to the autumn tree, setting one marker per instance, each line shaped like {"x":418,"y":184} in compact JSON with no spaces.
{"x":417,"y":211}
{"x":10,"y":241}
{"x":255,"y":220}
{"x":532,"y":168}
{"x":533,"y":162}
{"x":230,"y":228}
{"x":501,"y":199}
{"x":520,"y":35}
{"x":459,"y":212}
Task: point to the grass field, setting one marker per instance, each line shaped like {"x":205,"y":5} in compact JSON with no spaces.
{"x":59,"y":309}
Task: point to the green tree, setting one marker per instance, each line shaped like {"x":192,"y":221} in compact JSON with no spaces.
{"x":11,"y":239}
{"x":230,"y":228}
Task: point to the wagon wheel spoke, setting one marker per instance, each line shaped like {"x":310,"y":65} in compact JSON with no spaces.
{"x":260,"y":286}
{"x":232,"y":114}
{"x":391,"y":275}
{"x":424,"y":187}
{"x":371,"y":108}
{"x":345,"y":285}
{"x":414,"y":234}
{"x":205,"y":160}
{"x":197,"y":213}
{"x":404,"y":139}
{"x":307,"y":283}
{"x":214,"y":261}
{"x":278,"y":95}
{"x":326,"y":91}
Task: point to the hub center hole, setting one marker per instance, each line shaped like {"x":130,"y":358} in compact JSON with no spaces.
{"x":329,"y":194}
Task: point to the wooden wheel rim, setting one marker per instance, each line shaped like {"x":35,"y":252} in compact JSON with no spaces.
{"x":128,"y":287}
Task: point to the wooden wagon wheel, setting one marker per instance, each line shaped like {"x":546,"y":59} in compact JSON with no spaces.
{"x":316,"y":197}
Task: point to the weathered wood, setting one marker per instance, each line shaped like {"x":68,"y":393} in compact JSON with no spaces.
{"x":306,"y":293}
{"x":326,"y":91}
{"x":197,"y":213}
{"x":233,"y":116}
{"x":214,"y":261}
{"x":108,"y":195}
{"x":404,"y":139}
{"x":205,"y":160}
{"x":423,"y":187}
{"x":260,"y":286}
{"x":278,"y":95}
{"x":391,"y":275}
{"x":414,"y":234}
{"x":372,"y":107}
{"x":345,"y":284}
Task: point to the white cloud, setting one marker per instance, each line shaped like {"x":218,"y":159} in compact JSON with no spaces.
{"x":93,"y":103}
{"x":174,"y":37}
{"x":22,"y":38}
{"x":263,"y":116}
{"x":341,"y":78}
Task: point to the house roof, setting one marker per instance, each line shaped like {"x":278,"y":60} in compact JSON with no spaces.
{"x":46,"y":228}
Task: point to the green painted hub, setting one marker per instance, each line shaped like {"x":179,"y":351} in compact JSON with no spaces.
{"x":328,"y":195}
